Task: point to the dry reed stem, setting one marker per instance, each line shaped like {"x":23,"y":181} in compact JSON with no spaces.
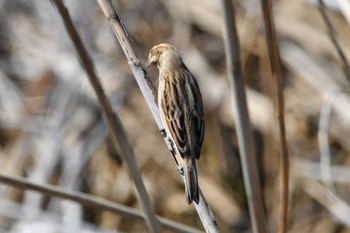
{"x":276,"y":72}
{"x":243,"y":126}
{"x":91,"y":201}
{"x":337,"y":207}
{"x":323,"y":143}
{"x":332,"y":35}
{"x":149,"y":93}
{"x":113,"y":122}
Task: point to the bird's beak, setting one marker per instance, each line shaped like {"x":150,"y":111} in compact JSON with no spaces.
{"x":148,"y":63}
{"x":151,"y":61}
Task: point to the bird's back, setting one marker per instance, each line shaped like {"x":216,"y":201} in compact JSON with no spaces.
{"x":181,"y":107}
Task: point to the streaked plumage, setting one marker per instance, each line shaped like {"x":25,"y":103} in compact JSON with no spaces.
{"x":181,"y":109}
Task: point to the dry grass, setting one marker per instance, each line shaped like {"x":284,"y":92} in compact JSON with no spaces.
{"x":52,"y":130}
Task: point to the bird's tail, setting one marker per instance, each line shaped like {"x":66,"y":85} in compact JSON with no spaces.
{"x":191,"y":180}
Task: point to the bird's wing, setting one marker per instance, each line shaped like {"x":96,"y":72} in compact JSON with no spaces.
{"x":173,"y":116}
{"x":182,"y":114}
{"x":197,"y":116}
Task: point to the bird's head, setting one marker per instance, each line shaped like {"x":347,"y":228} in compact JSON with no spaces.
{"x":161,"y":53}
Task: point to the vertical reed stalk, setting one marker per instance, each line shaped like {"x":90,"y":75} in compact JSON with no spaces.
{"x":276,"y":71}
{"x":242,"y":122}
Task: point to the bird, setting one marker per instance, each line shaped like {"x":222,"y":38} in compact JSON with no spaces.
{"x":181,"y":109}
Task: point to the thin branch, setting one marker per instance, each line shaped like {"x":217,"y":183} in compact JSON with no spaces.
{"x":334,"y":205}
{"x":324,"y":123}
{"x":312,"y":170}
{"x":243,"y":126}
{"x":149,"y":93}
{"x":276,"y":71}
{"x":91,"y":201}
{"x":332,"y":35}
{"x":113,"y":122}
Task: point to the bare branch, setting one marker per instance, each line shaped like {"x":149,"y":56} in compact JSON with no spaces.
{"x":336,"y":206}
{"x":332,"y":36}
{"x":91,"y":201}
{"x":324,"y":123}
{"x":113,"y":122}
{"x":243,"y":127}
{"x":276,"y":70}
{"x":312,"y":170}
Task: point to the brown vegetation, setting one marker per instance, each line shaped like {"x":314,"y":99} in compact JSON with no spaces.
{"x":52,"y":129}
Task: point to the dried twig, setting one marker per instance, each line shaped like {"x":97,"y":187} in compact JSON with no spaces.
{"x":49,"y":146}
{"x":148,"y":91}
{"x":332,"y":35}
{"x":91,"y":201}
{"x":276,"y":71}
{"x":243,"y":127}
{"x":332,"y":203}
{"x":312,"y":170}
{"x":113,"y":122}
{"x":324,"y":123}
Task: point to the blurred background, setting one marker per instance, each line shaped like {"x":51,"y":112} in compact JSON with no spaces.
{"x":52,"y":130}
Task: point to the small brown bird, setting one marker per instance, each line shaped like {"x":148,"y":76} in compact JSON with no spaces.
{"x":181,"y":110}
